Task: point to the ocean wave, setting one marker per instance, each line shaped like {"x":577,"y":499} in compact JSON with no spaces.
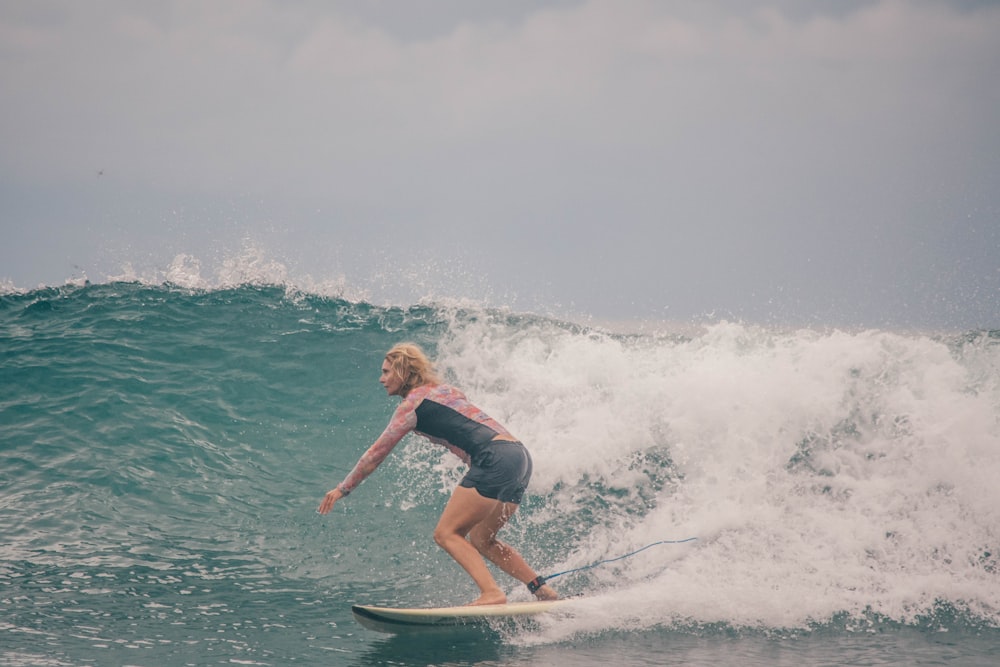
{"x":185,"y":434}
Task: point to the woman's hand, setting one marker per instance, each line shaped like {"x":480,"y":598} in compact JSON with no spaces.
{"x":328,"y":500}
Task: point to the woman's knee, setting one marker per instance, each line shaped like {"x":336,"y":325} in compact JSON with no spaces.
{"x":485,"y":543}
{"x":441,"y":535}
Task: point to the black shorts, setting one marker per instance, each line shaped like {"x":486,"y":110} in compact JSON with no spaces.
{"x":500,"y":470}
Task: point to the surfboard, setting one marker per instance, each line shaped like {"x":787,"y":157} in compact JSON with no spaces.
{"x":398,"y":619}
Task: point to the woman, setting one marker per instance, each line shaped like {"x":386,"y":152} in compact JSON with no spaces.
{"x":488,"y":495}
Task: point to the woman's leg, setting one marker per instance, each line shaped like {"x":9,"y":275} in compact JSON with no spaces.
{"x":483,"y":536}
{"x":466,"y":509}
{"x":470,"y":515}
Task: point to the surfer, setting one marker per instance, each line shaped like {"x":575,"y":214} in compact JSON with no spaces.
{"x":488,"y":495}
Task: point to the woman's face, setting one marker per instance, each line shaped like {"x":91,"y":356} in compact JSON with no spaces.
{"x":392,"y":382}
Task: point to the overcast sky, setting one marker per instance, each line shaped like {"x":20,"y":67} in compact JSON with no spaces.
{"x":830,"y":163}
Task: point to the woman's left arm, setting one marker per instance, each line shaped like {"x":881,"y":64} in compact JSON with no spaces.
{"x":329,"y":499}
{"x":403,"y":421}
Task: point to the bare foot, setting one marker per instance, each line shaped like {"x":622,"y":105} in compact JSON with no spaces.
{"x":546,"y":592}
{"x":491,"y":597}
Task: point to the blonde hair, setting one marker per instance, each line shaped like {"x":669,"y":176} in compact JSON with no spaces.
{"x":409,"y":363}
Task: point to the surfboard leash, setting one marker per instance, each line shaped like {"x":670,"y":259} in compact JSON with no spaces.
{"x":605,"y":562}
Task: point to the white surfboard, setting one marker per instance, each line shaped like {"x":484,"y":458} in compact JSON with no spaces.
{"x":397,"y":619}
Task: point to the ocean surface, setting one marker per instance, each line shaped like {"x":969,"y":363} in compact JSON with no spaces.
{"x":163,"y":449}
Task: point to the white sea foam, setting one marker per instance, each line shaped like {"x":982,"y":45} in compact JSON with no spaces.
{"x":251,"y":265}
{"x":824,"y":473}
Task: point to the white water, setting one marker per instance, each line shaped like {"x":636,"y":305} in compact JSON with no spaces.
{"x":825,"y":475}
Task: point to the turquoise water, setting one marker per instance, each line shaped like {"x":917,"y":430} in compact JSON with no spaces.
{"x":163,"y":451}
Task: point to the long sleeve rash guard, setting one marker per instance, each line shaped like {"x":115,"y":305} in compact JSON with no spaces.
{"x":440,"y":413}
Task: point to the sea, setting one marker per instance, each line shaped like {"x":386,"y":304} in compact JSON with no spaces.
{"x":709,"y":493}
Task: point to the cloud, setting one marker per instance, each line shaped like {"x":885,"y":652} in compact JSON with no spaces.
{"x":765,"y":145}
{"x":224,"y":88}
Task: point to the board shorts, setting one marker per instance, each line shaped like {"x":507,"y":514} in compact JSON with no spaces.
{"x":500,"y":470}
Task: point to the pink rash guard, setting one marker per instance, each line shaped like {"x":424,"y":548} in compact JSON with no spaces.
{"x":440,"y":413}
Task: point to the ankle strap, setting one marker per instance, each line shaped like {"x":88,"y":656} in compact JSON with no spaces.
{"x":536,"y":583}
